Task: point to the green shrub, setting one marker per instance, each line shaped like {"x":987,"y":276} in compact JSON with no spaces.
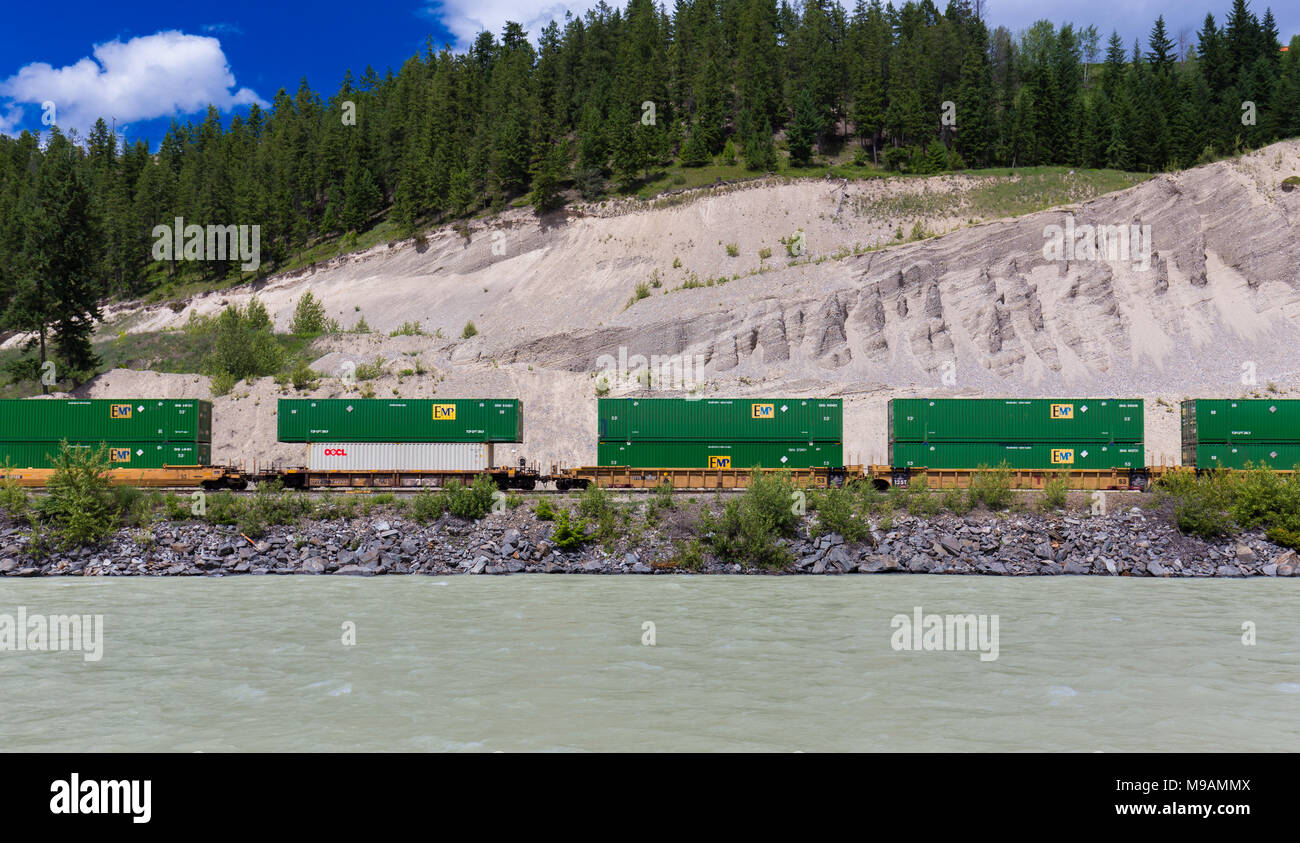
{"x":956,"y":501}
{"x":428,"y":506}
{"x":309,"y":316}
{"x":243,"y":344}
{"x":303,"y":377}
{"x":566,"y":535}
{"x":224,"y":508}
{"x":992,"y":486}
{"x":690,"y":555}
{"x":544,"y":511}
{"x":1056,"y":491}
{"x":408,"y":329}
{"x":132,"y":505}
{"x":751,"y":525}
{"x":836,"y":513}
{"x":1284,"y":537}
{"x":470,"y":502}
{"x":13,"y":498}
{"x":1203,"y":507}
{"x":920,"y":500}
{"x":595,"y":503}
{"x":468,"y":331}
{"x":79,"y":507}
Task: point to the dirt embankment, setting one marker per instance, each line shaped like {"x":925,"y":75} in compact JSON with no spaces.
{"x":1211,"y":308}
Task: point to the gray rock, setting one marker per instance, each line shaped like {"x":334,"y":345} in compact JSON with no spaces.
{"x":353,"y":571}
{"x":838,"y":559}
{"x":312,"y":566}
{"x":1246,"y":554}
{"x":1287,"y":564}
{"x":1228,"y":571}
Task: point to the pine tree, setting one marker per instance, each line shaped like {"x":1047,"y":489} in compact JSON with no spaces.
{"x":58,"y":298}
{"x":975,"y":108}
{"x":804,"y":128}
{"x":552,"y":167}
{"x":759,"y":151}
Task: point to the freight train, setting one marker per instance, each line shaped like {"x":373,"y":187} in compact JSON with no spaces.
{"x":706,"y":443}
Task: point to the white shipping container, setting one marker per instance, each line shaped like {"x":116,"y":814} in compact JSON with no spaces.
{"x":399,"y":456}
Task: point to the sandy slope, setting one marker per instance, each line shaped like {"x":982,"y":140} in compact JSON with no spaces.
{"x":979,"y":311}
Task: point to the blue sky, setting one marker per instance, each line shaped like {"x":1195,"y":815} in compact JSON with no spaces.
{"x":144,"y":61}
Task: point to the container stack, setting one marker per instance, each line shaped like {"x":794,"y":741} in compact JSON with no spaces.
{"x":1043,"y":433}
{"x":138,"y":432}
{"x":1234,"y":433}
{"x":378,"y":434}
{"x":732,"y":433}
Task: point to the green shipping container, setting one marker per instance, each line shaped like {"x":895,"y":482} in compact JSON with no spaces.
{"x":742,"y":455}
{"x":997,"y":420}
{"x":1057,"y":456}
{"x":105,"y":419}
{"x":400,"y":420}
{"x":1237,"y":420}
{"x":1278,"y":455}
{"x":721,"y":419}
{"x":121,"y":454}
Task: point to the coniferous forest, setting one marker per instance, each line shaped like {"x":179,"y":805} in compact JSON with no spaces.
{"x":602,"y":103}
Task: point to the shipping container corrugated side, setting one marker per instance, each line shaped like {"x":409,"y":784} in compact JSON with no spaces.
{"x":399,"y":456}
{"x":1284,"y":456}
{"x":92,"y":419}
{"x":720,"y":419}
{"x":737,"y":455}
{"x":1000,"y":420}
{"x":1031,"y":455}
{"x":121,"y":454}
{"x":400,"y":420}
{"x":1209,"y":420}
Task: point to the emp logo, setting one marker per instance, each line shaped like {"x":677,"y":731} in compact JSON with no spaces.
{"x":1062,"y":456}
{"x":1062,"y":411}
{"x":336,"y":452}
{"x":762,"y":411}
{"x":119,"y":454}
{"x":719,"y":462}
{"x":119,"y":411}
{"x":444,"y":412}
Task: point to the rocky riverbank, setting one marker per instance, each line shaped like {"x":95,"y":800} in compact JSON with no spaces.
{"x":1132,"y":542}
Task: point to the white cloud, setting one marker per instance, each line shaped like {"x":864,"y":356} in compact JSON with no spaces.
{"x":10,"y":116}
{"x":467,"y":18}
{"x":151,"y":76}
